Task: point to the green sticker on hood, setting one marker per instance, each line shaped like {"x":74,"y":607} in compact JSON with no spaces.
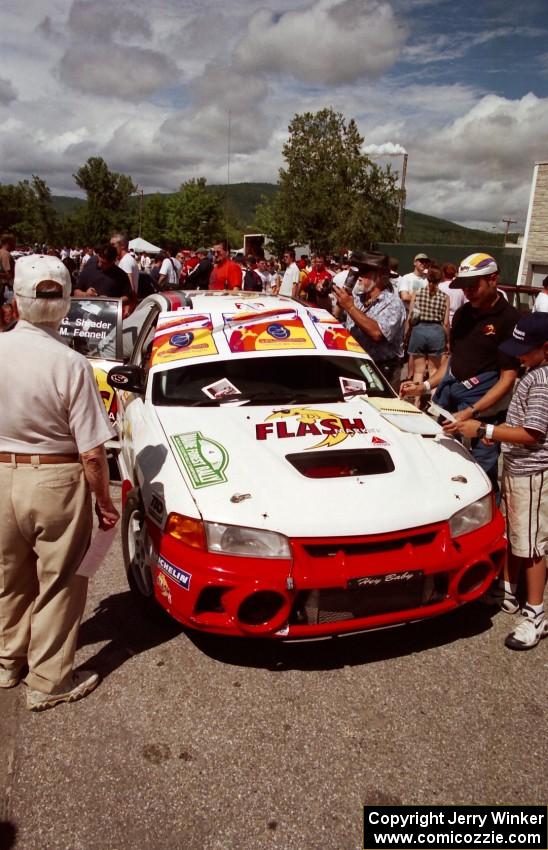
{"x":203,"y":458}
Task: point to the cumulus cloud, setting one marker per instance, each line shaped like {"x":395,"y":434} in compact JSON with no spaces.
{"x":479,"y":166}
{"x":7,"y":92}
{"x":331,"y":42}
{"x":103,"y":19}
{"x":110,"y":71}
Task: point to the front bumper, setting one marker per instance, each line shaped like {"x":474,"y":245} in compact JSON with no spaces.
{"x":331,"y":585}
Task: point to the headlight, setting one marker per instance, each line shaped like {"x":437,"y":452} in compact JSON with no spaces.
{"x":473,"y":517}
{"x":247,"y":542}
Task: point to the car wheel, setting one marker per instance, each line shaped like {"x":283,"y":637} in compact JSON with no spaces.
{"x":136,"y":548}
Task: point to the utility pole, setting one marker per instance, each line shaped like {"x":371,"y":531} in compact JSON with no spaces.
{"x":141,"y":192}
{"x":508,"y":222}
{"x":401,"y":208}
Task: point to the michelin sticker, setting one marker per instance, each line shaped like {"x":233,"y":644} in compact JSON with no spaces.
{"x":180,"y":577}
{"x":204,"y":460}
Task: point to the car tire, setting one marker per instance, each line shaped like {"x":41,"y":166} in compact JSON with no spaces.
{"x":136,"y":547}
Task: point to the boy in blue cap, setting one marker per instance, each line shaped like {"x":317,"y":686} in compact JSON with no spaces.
{"x":524,"y":439}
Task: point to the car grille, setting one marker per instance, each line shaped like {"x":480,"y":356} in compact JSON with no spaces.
{"x":331,"y":605}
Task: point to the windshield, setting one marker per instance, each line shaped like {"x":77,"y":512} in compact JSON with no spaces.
{"x":269,"y":380}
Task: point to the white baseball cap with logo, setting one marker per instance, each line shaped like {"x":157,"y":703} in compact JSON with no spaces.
{"x":34,"y":269}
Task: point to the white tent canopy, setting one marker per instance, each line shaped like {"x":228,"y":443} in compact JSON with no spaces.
{"x":142,"y":245}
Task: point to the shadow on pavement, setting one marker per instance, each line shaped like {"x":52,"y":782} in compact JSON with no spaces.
{"x":336,"y":652}
{"x":8,"y":834}
{"x":129,"y":629}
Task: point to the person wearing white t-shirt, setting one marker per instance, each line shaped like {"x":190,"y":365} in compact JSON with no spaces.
{"x":170,"y":271}
{"x":292,"y":275}
{"x":456,"y":296}
{"x":126,"y":260}
{"x":415,"y":280}
{"x":541,"y":301}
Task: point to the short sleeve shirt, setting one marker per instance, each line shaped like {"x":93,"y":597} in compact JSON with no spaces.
{"x":227,"y":275}
{"x":292,"y":275}
{"x":529,"y":409}
{"x":411,"y":283}
{"x":129,"y":265}
{"x":388,"y":311}
{"x":54,"y":403}
{"x":476,"y":336}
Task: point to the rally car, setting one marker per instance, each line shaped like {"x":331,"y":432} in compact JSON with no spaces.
{"x":273,"y":484}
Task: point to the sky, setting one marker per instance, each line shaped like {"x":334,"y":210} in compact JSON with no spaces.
{"x":152,"y":86}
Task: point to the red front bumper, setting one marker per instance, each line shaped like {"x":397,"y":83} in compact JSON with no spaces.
{"x":332,"y":585}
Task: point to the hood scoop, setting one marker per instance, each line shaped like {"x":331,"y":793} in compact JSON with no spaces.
{"x":343,"y":463}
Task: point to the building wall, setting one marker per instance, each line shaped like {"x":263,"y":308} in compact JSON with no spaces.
{"x":534,"y":264}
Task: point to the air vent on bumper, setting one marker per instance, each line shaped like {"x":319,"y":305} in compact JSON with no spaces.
{"x":342,"y":463}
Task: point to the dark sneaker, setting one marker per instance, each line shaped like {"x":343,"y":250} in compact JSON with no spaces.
{"x":497,"y":597}
{"x":83,"y":683}
{"x":528,"y":632}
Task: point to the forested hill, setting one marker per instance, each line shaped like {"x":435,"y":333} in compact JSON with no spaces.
{"x":243,"y":198}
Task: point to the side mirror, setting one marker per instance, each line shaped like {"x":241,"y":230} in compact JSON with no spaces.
{"x":130,"y":378}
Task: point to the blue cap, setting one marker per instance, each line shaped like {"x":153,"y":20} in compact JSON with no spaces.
{"x":530,"y":332}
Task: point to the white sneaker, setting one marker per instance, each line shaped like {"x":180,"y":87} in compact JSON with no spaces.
{"x":83,"y":683}
{"x":528,"y":632}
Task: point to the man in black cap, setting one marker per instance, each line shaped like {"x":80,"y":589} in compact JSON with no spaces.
{"x":198,"y":277}
{"x":377,"y":313}
{"x":478,"y":379}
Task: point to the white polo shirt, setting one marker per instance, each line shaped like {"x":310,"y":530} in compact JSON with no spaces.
{"x":51,"y":400}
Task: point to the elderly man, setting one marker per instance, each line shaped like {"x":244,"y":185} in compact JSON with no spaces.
{"x":376,"y":313}
{"x":478,"y":380}
{"x":52,"y":436}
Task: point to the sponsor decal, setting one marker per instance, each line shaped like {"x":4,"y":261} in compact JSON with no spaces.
{"x":335,"y":429}
{"x":268,"y":334}
{"x":156,"y":509}
{"x":336,"y":338}
{"x":182,"y":340}
{"x":489,"y":330}
{"x":179,"y":576}
{"x":116,"y":378}
{"x":163,"y":586}
{"x":204,"y":460}
{"x":378,"y":441}
{"x":190,"y":336}
{"x":107,"y":393}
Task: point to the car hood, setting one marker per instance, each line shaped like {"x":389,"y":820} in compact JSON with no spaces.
{"x":376,"y":476}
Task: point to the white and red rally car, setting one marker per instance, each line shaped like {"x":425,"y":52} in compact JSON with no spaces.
{"x":274,"y":485}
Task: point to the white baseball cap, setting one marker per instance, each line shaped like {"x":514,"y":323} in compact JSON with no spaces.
{"x":38,"y":268}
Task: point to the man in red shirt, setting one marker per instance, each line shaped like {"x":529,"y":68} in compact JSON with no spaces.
{"x":226,"y":274}
{"x":318,"y":285}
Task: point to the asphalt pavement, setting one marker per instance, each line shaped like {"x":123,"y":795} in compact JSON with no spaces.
{"x":201,"y":743}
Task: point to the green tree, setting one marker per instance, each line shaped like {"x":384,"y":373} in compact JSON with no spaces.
{"x":27,"y":210}
{"x":194,"y":215}
{"x":154,"y":220}
{"x":330,"y":193}
{"x":110,"y":205}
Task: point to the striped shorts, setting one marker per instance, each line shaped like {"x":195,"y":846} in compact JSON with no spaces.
{"x":525,"y":505}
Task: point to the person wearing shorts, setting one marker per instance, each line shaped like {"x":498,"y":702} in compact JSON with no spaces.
{"x":428,"y":322}
{"x":524,"y":438}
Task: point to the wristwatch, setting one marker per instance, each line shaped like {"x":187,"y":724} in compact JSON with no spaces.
{"x":481,"y":432}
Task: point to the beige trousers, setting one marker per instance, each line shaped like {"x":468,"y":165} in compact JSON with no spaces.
{"x":45,"y":528}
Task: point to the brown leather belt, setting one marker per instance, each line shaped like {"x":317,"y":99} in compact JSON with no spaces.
{"x":6,"y":457}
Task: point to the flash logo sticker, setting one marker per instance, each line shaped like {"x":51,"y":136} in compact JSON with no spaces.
{"x":163,"y":586}
{"x":180,"y":577}
{"x":333,"y":428}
